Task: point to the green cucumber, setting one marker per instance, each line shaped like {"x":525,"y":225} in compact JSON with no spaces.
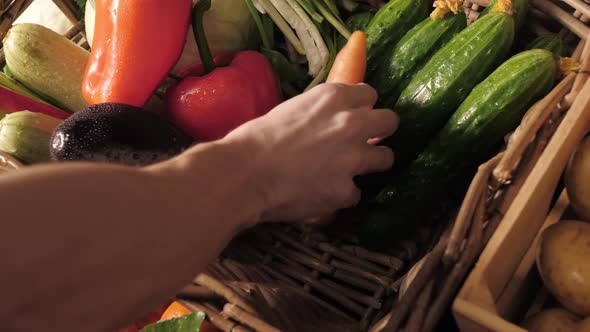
{"x":390,"y":24}
{"x":551,"y":42}
{"x":475,"y":131}
{"x":440,"y":86}
{"x":520,"y":8}
{"x":48,"y":64}
{"x":410,"y":54}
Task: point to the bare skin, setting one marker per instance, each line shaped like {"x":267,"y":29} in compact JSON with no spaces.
{"x":91,"y":247}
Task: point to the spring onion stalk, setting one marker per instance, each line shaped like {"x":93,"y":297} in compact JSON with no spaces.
{"x":310,"y":9}
{"x":332,"y":7}
{"x":317,"y":51}
{"x":259,"y":25}
{"x":334,"y":21}
{"x":282,"y":25}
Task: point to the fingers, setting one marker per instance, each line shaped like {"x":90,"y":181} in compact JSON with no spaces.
{"x":375,"y":159}
{"x":380,"y":123}
{"x":345,"y":96}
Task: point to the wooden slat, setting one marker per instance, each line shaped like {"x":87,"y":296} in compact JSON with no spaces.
{"x":562,"y":17}
{"x":69,"y":8}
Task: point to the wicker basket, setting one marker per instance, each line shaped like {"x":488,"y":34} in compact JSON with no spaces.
{"x":286,"y":278}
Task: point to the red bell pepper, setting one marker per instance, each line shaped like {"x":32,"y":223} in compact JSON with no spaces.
{"x":11,"y":101}
{"x":136,"y":43}
{"x":210,"y":106}
{"x":198,"y":69}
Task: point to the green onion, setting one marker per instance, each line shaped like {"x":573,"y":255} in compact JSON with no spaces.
{"x":309,"y":8}
{"x":259,"y":25}
{"x":283,"y":26}
{"x":334,"y":21}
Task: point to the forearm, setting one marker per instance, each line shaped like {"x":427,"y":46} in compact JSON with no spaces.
{"x":135,"y":238}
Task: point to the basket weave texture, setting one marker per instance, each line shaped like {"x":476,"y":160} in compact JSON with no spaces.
{"x":298,"y":278}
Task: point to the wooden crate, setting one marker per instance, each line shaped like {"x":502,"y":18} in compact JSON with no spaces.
{"x":522,"y":295}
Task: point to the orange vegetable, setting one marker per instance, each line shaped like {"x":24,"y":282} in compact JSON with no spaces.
{"x":175,"y":310}
{"x":136,"y":43}
{"x":351,"y":62}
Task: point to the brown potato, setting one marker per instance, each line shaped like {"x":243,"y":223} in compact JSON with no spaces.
{"x":563,"y":261}
{"x":552,"y":320}
{"x":577,"y":180}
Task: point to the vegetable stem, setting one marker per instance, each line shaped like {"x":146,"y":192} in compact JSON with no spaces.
{"x":321,"y":76}
{"x":341,"y":28}
{"x":205,"y":53}
{"x":332,"y":7}
{"x":282,"y":25}
{"x":259,"y":25}
{"x":309,"y":8}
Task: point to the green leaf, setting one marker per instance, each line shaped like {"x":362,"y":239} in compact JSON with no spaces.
{"x":355,"y":22}
{"x":187,"y":323}
{"x":286,"y":71}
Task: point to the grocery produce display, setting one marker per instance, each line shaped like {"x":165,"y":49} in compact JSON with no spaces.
{"x":146,"y":92}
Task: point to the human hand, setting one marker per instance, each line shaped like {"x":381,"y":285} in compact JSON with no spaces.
{"x":308,"y":150}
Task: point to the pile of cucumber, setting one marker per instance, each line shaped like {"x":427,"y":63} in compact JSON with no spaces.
{"x":458,"y":92}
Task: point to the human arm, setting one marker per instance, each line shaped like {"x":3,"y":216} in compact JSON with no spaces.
{"x":104,"y":243}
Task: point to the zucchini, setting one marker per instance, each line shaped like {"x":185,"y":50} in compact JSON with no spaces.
{"x":551,"y":42}
{"x":15,"y":86}
{"x":440,"y":86}
{"x":390,"y":24}
{"x":410,"y":54}
{"x":48,"y":64}
{"x":25,"y":135}
{"x":519,"y":7}
{"x":494,"y":108}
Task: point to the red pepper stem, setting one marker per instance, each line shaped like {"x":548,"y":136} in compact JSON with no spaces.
{"x":205,"y":53}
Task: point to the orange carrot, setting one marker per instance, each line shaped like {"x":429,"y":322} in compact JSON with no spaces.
{"x":351,"y":62}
